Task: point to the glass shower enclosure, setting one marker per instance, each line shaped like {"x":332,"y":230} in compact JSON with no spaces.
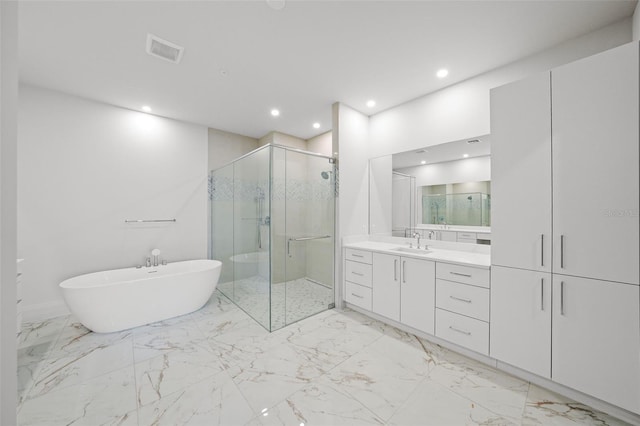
{"x":272,"y":227}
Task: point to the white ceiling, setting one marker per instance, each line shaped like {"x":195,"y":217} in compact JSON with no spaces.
{"x":300,"y":59}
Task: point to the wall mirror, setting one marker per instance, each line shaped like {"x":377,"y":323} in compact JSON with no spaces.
{"x":446,"y":186}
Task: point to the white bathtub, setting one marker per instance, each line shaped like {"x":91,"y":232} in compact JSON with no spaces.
{"x":115,"y":300}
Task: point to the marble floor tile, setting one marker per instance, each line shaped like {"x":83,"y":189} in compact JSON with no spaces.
{"x":104,"y":400}
{"x":173,"y":371}
{"x":498,"y":392}
{"x":156,"y":339}
{"x":213,"y":401}
{"x":318,"y":404}
{"x":33,"y":333}
{"x":379,"y":382}
{"x":76,"y":368}
{"x":433,"y":404}
{"x":544,"y":407}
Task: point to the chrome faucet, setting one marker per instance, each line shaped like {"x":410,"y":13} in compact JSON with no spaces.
{"x":148,"y":262}
{"x":417,"y":236}
{"x":156,"y":256}
{"x":431,"y":234}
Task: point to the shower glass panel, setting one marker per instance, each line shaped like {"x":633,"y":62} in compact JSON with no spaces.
{"x":280,"y":264}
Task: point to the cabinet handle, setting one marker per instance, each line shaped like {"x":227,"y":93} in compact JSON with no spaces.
{"x":461,"y":275}
{"x":357,"y":273}
{"x":358,"y":296}
{"x":562,"y":251}
{"x":541,"y":249}
{"x":356,"y":255}
{"x":468,"y":333}
{"x":542,"y":294}
{"x":404,"y":274}
{"x":460,"y":299}
{"x":561,"y":297}
{"x":395,"y":269}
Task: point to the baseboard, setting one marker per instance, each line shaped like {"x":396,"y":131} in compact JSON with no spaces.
{"x":44,"y":311}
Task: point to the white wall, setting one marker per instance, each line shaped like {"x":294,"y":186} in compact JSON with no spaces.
{"x":8,"y":148}
{"x":321,"y":144}
{"x":353,"y":144}
{"x":224,"y":147}
{"x":476,"y":169}
{"x":85,"y":167}
{"x":283,"y":139}
{"x":381,"y":195}
{"x":462,"y":110}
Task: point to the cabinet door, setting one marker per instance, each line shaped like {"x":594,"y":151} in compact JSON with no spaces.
{"x":386,"y":286}
{"x":596,"y":339}
{"x":418,"y":293}
{"x":521,"y":174}
{"x":521,"y":319}
{"x":595,"y":166}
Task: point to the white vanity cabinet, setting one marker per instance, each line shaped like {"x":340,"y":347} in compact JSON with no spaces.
{"x":565,"y":156}
{"x":358,"y":271}
{"x":596,"y":193}
{"x":521,"y":318}
{"x":386,"y":285}
{"x":595,"y":339}
{"x":521,"y":174}
{"x":462,"y":306}
{"x":404,"y":290}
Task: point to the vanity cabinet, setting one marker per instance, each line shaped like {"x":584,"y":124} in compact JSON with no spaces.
{"x":358,"y":271}
{"x":404,"y":290}
{"x":462,"y":306}
{"x":595,"y":339}
{"x":565,"y":157}
{"x":596,"y":193}
{"x":521,"y":318}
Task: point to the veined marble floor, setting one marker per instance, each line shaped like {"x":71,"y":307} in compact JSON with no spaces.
{"x":217,"y":366}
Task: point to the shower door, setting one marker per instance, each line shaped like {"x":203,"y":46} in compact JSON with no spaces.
{"x":304,"y":215}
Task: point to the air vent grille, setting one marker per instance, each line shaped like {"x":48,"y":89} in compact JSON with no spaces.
{"x":164,"y":49}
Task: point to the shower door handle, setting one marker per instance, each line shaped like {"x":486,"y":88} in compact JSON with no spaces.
{"x":303,"y":239}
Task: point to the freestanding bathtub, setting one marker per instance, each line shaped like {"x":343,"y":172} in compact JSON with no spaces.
{"x":115,"y":300}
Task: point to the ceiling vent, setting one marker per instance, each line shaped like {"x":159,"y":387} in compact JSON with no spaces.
{"x":164,"y":49}
{"x":473,"y":141}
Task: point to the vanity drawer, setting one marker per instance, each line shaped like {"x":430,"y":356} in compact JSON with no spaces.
{"x":359,"y":273}
{"x":464,"y":331}
{"x":467,"y":236}
{"x":463,"y":274}
{"x":358,"y":255}
{"x":358,"y":295}
{"x":463,"y":299}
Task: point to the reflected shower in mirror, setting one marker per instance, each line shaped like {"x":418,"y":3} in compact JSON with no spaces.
{"x":444,"y":185}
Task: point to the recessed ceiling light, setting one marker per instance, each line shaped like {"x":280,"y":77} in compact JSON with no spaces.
{"x":466,"y":156}
{"x":275,"y":112}
{"x":371,"y":103}
{"x":442,"y":73}
{"x":146,"y":108}
{"x":423,"y":162}
{"x":316,"y":125}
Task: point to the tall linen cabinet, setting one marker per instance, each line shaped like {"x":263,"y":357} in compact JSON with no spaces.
{"x":565,"y":299}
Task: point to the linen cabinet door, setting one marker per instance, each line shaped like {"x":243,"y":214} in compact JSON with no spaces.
{"x":418,"y":294}
{"x":521,"y":174}
{"x":595,"y":166}
{"x":596,"y":339}
{"x":386,"y":286}
{"x":521,"y":319}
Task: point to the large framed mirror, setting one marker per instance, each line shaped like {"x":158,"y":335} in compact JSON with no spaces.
{"x":446,"y":188}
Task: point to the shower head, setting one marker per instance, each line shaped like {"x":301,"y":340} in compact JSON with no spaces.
{"x":325,"y":175}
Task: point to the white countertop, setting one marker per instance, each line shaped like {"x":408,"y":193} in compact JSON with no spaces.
{"x":439,"y":254}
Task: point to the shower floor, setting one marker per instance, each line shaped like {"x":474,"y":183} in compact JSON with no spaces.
{"x":291,"y":301}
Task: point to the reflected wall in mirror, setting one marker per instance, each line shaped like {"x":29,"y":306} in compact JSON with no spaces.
{"x":440,"y":184}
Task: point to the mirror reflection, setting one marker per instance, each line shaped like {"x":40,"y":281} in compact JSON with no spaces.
{"x":445,"y":186}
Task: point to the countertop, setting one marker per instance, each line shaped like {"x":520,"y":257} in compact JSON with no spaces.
{"x":438,"y":254}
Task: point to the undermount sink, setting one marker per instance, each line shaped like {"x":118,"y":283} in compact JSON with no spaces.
{"x":412,"y":250}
